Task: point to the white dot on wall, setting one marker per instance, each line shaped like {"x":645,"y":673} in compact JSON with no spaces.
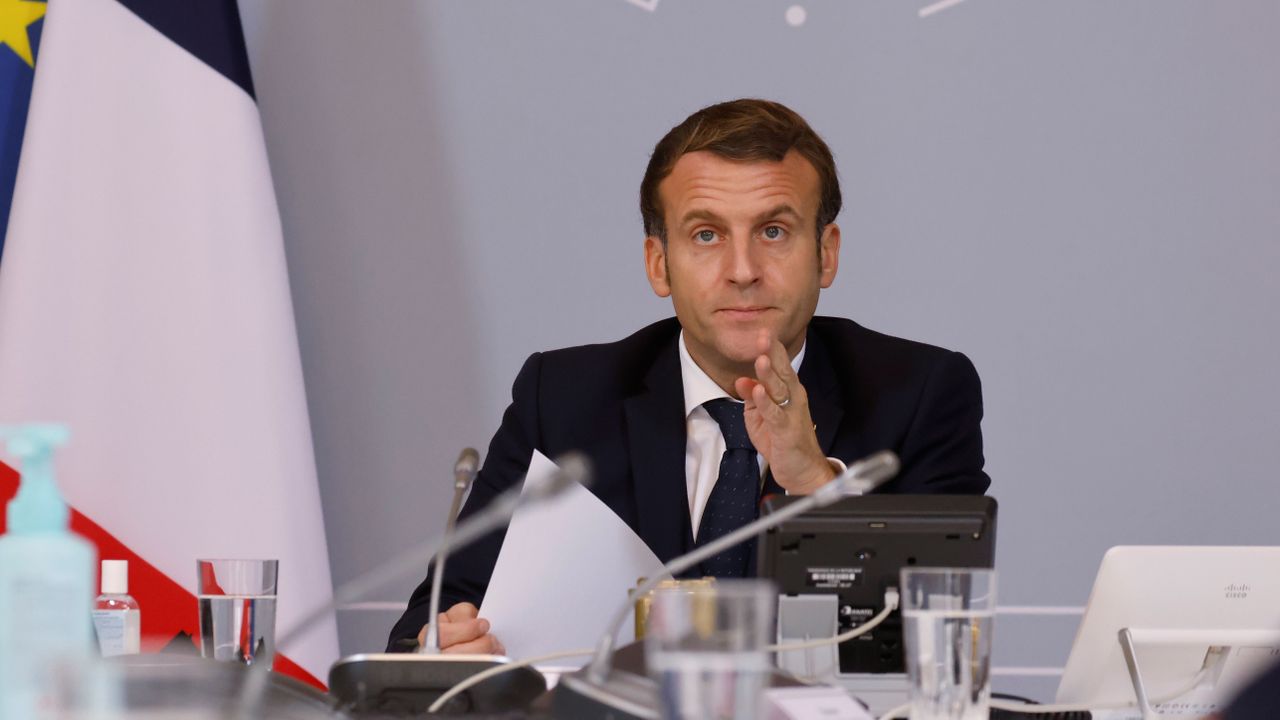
{"x":796,"y":16}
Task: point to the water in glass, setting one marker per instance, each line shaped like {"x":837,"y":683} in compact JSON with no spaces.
{"x":238,"y":627}
{"x":950,"y":675}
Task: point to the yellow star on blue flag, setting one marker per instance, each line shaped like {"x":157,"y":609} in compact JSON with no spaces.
{"x":15,"y":17}
{"x":21,"y":22}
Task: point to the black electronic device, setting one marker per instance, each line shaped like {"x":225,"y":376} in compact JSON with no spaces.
{"x":607,"y":690}
{"x":182,"y":685}
{"x":406,"y":684}
{"x":855,"y":549}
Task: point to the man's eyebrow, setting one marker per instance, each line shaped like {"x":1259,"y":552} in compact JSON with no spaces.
{"x":703,"y":215}
{"x":776,"y":212}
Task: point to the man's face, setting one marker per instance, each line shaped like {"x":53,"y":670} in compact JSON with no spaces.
{"x":741,"y":256}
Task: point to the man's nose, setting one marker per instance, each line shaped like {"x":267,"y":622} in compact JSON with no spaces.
{"x":744,"y":263}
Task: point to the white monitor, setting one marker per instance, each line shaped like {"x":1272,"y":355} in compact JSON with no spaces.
{"x":1205,"y":620}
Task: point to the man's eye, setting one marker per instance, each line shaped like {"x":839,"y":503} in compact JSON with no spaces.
{"x":705,"y":236}
{"x":773,"y":232}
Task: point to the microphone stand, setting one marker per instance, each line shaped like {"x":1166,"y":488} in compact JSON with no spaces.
{"x":464,"y":472}
{"x":862,"y":477}
{"x":592,"y":693}
{"x":574,"y":468}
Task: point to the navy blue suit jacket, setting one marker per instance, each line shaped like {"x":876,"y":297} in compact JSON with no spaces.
{"x":622,"y":405}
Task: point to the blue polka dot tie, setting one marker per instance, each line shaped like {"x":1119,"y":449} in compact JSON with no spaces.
{"x":734,"y":500}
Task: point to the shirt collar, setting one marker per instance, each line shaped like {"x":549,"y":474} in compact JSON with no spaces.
{"x":698,"y":385}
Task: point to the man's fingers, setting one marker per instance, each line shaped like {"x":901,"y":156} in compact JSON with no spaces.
{"x":459,"y":626}
{"x":744,"y":387}
{"x":767,"y":375}
{"x":772,"y":348}
{"x":465,"y":631}
{"x":462,"y":611}
{"x":777,"y":355}
{"x":767,"y":406}
{"x":483,"y":645}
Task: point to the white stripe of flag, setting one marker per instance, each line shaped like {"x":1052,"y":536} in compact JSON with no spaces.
{"x":144,"y":300}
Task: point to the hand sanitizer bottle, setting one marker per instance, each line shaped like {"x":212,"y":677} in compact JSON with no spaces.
{"x":46,"y":580}
{"x":116,"y":617}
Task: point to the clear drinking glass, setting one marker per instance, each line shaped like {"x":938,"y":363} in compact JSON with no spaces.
{"x":705,"y":646}
{"x":237,"y":609}
{"x":947,"y":617}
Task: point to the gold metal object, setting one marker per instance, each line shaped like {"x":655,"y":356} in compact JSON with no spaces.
{"x":704,"y":611}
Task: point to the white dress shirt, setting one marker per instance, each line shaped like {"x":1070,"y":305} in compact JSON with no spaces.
{"x":705,"y":443}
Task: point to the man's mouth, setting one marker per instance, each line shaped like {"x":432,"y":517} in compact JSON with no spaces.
{"x":748,"y":312}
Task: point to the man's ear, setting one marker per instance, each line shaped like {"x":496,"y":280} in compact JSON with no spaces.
{"x":828,"y":255}
{"x":655,"y":266}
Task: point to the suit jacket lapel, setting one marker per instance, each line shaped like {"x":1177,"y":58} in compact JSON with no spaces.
{"x":818,"y":376}
{"x":656,"y":433}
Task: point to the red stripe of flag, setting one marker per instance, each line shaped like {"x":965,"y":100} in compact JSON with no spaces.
{"x":167,"y":608}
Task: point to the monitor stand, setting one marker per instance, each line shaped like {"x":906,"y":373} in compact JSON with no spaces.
{"x":1230,"y":654}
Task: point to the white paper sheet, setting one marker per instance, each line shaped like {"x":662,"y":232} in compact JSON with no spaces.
{"x":565,"y":567}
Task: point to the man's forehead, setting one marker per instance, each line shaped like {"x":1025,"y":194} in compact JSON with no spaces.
{"x":703,"y":179}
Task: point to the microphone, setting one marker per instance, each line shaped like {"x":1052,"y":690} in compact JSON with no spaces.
{"x":861,"y":477}
{"x":628,"y":697}
{"x":573,"y":468}
{"x":464,"y":472}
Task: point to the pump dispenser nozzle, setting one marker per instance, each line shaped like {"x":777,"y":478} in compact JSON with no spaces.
{"x":46,"y":579}
{"x":38,"y":507}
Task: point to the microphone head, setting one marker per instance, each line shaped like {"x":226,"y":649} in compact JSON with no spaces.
{"x":876,"y":468}
{"x":467,"y":466}
{"x":574,"y":468}
{"x":863,"y":476}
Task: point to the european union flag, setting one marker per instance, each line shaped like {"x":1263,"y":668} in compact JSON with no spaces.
{"x":20,"y":24}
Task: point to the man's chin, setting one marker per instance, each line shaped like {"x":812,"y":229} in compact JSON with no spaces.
{"x":730,"y":349}
{"x":742,"y":353}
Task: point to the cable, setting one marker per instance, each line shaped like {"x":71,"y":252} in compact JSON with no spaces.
{"x":901,"y":710}
{"x":1036,"y":709}
{"x":890,"y":604}
{"x":862,"y":476}
{"x":898,"y":712}
{"x":574,"y":469}
{"x":891,"y":600}
{"x":483,"y":675}
{"x":1043,"y":709}
{"x":1192,"y":685}
{"x":1030,"y":708}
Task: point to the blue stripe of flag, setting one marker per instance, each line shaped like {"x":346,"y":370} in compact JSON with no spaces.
{"x":16,"y":78}
{"x":208,"y":29}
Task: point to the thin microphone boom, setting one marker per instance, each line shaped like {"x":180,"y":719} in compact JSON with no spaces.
{"x":574,"y":468}
{"x":464,"y":471}
{"x":861,"y":477}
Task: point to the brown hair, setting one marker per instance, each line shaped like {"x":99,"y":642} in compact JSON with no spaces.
{"x":744,"y":130}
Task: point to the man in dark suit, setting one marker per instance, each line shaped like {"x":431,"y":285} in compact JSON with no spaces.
{"x":690,"y":420}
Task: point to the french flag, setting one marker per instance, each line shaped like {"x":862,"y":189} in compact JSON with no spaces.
{"x":144,"y":302}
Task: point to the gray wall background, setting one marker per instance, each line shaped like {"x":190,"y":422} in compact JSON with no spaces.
{"x":1082,"y":195}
